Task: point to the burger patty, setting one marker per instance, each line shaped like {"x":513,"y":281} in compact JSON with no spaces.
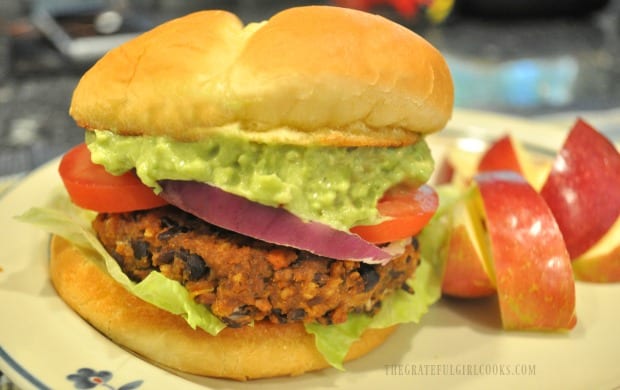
{"x":243,"y":280}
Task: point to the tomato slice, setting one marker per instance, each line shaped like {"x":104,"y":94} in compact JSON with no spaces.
{"x":91,"y":187}
{"x":409,"y":209}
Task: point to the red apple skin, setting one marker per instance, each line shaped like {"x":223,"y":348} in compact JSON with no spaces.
{"x":601,"y":263}
{"x":444,"y":173}
{"x":583,"y":188}
{"x":464,"y":275}
{"x":533,"y":274}
{"x":500,"y":156}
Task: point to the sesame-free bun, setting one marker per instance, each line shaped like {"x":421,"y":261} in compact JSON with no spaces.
{"x":309,"y":75}
{"x":264,"y":350}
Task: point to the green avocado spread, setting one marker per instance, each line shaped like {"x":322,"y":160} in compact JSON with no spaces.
{"x":337,"y":186}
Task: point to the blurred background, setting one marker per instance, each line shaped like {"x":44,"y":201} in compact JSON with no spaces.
{"x":548,"y":59}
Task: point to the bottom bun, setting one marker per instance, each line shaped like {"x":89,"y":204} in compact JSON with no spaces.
{"x":264,"y":350}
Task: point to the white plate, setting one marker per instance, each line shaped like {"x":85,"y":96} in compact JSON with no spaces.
{"x":458,"y":344}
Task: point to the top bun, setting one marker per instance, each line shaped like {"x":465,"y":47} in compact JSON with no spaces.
{"x":317,"y":74}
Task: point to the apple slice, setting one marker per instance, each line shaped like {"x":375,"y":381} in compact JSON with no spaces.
{"x":444,"y":173}
{"x":507,"y":153}
{"x":533,"y":274}
{"x":459,"y":164}
{"x":601,"y":263}
{"x":500,"y":156}
{"x":467,"y":272}
{"x":583,"y":188}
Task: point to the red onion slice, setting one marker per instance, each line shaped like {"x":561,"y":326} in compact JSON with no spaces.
{"x":270,"y":224}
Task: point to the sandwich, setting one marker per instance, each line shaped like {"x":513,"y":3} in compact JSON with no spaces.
{"x":251,"y":196}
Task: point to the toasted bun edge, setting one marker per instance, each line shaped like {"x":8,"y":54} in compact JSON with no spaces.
{"x":262,"y":351}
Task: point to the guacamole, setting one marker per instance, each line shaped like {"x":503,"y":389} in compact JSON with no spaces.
{"x":336,"y":186}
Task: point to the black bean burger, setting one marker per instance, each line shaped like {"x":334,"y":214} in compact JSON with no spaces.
{"x":257,"y":190}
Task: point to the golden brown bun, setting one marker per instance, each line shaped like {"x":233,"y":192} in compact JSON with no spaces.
{"x":314,"y":74}
{"x":265,"y":350}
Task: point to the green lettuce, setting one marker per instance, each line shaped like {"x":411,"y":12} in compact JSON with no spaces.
{"x":401,"y":307}
{"x":64,"y":219}
{"x":74,"y":224}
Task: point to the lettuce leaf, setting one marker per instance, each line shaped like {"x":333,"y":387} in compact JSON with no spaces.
{"x":334,"y":341}
{"x":74,"y":224}
{"x":64,"y":219}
